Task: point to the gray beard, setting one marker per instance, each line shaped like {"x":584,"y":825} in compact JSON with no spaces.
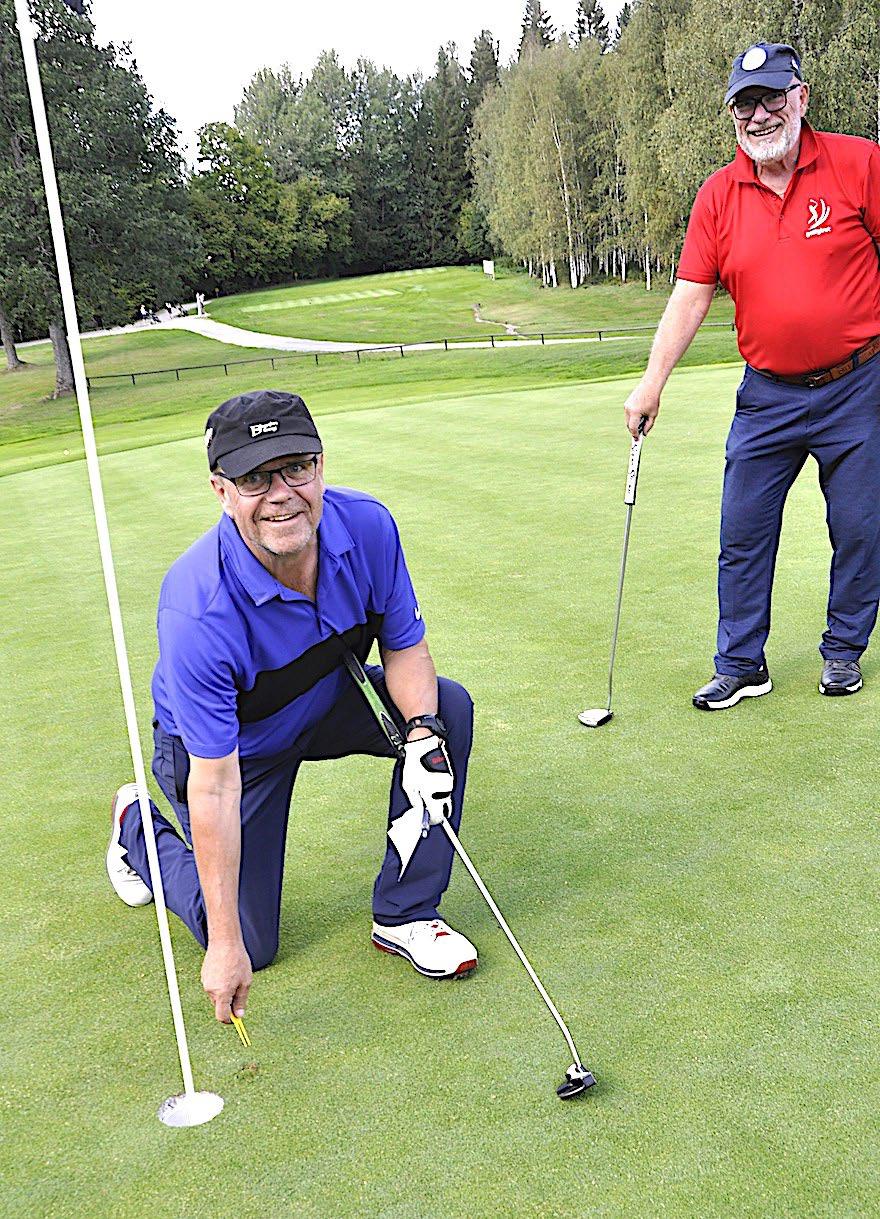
{"x":762,"y":152}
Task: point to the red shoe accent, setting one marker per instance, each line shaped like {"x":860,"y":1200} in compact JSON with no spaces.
{"x":113,"y":810}
{"x":465,"y":967}
{"x":384,"y":948}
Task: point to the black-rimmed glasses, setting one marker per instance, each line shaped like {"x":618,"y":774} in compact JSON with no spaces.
{"x":294,"y":474}
{"x":773,"y":102}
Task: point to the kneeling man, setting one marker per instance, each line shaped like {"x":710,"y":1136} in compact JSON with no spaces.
{"x":253,"y":623}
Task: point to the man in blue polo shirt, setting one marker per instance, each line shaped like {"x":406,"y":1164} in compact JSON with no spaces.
{"x":253,"y":622}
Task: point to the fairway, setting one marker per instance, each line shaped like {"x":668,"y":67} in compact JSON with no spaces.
{"x":696,"y":891}
{"x":439,"y":302}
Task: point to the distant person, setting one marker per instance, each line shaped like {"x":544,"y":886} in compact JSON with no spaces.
{"x":144,"y":313}
{"x":200,"y":304}
{"x":791,"y":229}
{"x":250,"y":684}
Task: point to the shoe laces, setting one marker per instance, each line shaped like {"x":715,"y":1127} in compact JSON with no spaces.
{"x":842,"y":666}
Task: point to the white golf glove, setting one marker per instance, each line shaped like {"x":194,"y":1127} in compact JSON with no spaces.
{"x":427,"y":779}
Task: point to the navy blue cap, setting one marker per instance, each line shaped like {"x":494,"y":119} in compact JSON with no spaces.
{"x":771,"y":64}
{"x":252,"y":428}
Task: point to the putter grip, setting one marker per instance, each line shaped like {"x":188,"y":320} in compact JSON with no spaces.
{"x":632,"y":474}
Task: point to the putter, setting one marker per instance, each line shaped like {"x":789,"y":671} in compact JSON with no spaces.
{"x":595,"y":717}
{"x":577,"y":1078}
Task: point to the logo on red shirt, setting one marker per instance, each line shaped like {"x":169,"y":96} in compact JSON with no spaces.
{"x":819,"y":213}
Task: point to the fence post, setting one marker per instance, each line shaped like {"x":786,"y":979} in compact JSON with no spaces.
{"x":446,"y":344}
{"x":177,"y":373}
{"x":358,"y":354}
{"x":226,"y":370}
{"x":316,"y":359}
{"x":272,"y":361}
{"x":599,"y":332}
{"x":492,"y":339}
{"x":132,"y":379}
{"x":542,"y":340}
{"x":401,"y":351}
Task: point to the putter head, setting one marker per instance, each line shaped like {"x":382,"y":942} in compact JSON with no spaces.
{"x":577,"y":1080}
{"x":596,"y":717}
{"x":190,"y":1109}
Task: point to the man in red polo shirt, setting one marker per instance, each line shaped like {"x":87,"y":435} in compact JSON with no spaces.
{"x":791,"y":229}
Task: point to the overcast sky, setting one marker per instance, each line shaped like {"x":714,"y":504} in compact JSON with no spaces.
{"x":197,"y":56}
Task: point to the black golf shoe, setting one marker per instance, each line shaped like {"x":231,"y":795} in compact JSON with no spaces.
{"x":840,"y":677}
{"x":725,"y":689}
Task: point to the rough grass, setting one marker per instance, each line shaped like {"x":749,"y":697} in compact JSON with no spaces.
{"x":695,"y":890}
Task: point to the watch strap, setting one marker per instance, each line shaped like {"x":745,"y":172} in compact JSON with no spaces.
{"x":432,"y":722}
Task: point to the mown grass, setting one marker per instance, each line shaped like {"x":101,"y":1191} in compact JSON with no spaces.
{"x":694,"y":890}
{"x":409,"y":306}
{"x":37,"y":430}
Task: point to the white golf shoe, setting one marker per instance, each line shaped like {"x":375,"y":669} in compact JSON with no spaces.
{"x":125,"y":881}
{"x":430,"y":945}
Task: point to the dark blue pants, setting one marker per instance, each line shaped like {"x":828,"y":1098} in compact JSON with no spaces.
{"x":267,"y":787}
{"x":775,"y":428}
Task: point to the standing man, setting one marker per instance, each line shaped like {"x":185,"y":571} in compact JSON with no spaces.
{"x":791,"y":229}
{"x":253,"y":620}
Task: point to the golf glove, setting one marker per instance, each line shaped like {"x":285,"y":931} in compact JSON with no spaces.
{"x":427,"y":779}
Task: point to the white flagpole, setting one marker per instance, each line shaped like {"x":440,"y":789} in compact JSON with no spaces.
{"x":187,"y":1109}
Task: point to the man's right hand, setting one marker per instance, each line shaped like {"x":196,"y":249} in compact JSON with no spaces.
{"x":642,"y":403}
{"x":226,"y":977}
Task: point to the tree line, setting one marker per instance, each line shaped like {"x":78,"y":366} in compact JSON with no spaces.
{"x":579,"y":159}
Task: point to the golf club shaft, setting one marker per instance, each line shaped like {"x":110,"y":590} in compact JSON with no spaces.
{"x":371,"y":694}
{"x":380,"y":711}
{"x":626,"y":528}
{"x":629,"y":498}
{"x":502,"y":923}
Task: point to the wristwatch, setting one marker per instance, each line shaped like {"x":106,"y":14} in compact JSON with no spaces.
{"x":433,"y":723}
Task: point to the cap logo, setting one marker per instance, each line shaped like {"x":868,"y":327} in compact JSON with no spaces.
{"x":209,"y":436}
{"x":260,"y":429}
{"x":755,"y":57}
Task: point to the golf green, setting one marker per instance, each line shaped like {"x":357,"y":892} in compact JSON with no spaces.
{"x":697,"y":892}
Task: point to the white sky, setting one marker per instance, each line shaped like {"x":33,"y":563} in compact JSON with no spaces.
{"x":197,"y":56}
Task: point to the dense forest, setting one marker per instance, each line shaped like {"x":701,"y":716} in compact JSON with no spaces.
{"x":578,"y":159}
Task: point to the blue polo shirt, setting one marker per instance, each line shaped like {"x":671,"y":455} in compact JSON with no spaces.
{"x":244,"y":661}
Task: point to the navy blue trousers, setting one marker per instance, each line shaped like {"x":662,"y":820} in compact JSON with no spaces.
{"x":775,"y":428}
{"x":267,"y":787}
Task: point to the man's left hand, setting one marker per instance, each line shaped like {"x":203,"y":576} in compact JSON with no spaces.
{"x":427,"y":777}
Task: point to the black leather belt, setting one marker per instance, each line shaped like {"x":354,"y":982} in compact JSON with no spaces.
{"x":825,"y":375}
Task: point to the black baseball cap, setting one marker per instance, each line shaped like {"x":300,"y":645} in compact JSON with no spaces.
{"x":252,"y":428}
{"x":765,"y":63}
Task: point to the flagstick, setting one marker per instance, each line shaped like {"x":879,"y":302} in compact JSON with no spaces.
{"x":187,"y":1109}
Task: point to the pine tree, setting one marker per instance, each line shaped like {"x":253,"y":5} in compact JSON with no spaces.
{"x":484,"y":72}
{"x":446,"y":114}
{"x":590,"y":23}
{"x":624,"y":17}
{"x":537,"y":29}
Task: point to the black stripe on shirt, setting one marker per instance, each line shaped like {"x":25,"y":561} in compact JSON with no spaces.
{"x":275,"y":688}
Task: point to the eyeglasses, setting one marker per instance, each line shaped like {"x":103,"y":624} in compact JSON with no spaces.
{"x":772,"y":102}
{"x":258,"y":482}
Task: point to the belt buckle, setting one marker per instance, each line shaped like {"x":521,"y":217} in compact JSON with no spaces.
{"x":814,"y":381}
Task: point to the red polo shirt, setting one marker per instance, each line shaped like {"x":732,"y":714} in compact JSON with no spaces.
{"x":803,"y":270}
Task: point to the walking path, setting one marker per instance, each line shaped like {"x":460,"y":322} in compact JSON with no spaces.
{"x":235,"y":336}
{"x":238,"y":337}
